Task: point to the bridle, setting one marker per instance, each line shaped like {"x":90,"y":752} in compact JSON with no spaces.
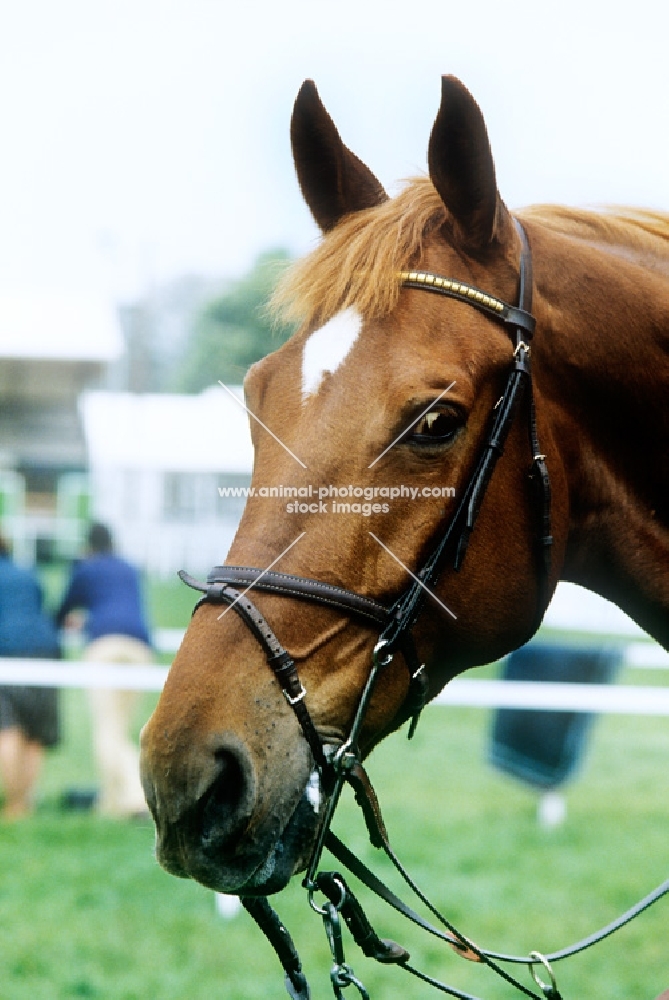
{"x":340,"y":764}
{"x":396,"y":622}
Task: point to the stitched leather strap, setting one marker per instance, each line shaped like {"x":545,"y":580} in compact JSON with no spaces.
{"x":279,"y":660}
{"x":218,"y":591}
{"x":300,"y":587}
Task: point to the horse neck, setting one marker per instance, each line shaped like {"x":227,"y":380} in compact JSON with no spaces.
{"x":602,"y":371}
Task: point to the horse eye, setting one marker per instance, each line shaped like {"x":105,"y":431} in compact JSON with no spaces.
{"x":435,"y":427}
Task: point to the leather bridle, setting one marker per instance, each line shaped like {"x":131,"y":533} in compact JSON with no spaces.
{"x":396,"y":622}
{"x":338,"y":764}
{"x":342,"y":763}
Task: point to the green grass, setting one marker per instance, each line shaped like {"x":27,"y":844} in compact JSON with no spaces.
{"x":85,"y":911}
{"x":170,"y":603}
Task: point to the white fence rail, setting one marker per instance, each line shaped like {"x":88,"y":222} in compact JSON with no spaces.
{"x":623,"y":699}
{"x":56,"y":673}
{"x":574,"y":614}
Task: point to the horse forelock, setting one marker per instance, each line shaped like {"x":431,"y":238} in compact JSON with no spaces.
{"x":357,"y":263}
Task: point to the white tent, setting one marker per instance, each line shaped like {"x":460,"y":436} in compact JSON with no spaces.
{"x":156,"y":465}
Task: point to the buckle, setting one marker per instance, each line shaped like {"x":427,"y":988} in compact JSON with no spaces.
{"x":298,"y":697}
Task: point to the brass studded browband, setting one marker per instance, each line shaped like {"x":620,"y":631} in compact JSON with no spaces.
{"x":499,"y":310}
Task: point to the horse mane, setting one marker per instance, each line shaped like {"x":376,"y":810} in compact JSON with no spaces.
{"x":356,"y":263}
{"x":614,"y":226}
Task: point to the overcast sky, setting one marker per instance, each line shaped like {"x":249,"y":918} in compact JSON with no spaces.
{"x":142,"y":139}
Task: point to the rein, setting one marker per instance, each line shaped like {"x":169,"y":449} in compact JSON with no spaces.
{"x":338,"y":765}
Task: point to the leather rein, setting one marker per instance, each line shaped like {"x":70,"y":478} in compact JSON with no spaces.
{"x":338,"y":765}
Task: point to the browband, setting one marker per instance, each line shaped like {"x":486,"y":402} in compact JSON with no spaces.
{"x":503,"y":312}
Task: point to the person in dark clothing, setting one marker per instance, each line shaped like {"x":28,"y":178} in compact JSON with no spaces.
{"x":108,"y":589}
{"x":29,"y":720}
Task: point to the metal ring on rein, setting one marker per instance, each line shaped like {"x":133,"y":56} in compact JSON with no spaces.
{"x":377,"y":657}
{"x":549,"y":990}
{"x":341,"y":973}
{"x":321,"y":910}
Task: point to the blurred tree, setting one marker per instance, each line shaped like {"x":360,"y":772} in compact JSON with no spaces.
{"x":233,"y":330}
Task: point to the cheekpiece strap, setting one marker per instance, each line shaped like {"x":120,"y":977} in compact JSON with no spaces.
{"x":278,"y":659}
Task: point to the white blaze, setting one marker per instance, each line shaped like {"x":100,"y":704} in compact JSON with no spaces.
{"x":327,"y":348}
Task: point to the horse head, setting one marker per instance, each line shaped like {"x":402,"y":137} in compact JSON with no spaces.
{"x":367,"y":426}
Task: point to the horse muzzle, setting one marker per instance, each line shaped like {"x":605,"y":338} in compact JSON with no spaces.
{"x":223,"y":829}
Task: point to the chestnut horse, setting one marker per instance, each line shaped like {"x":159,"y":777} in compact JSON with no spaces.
{"x":374,"y":415}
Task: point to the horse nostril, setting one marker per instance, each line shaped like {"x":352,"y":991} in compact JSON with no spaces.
{"x":228,"y":802}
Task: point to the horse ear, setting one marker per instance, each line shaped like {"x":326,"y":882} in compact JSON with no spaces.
{"x":333,"y":180}
{"x":462,"y":168}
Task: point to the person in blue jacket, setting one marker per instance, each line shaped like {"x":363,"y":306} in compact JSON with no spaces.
{"x":29,"y":720}
{"x":107,"y":589}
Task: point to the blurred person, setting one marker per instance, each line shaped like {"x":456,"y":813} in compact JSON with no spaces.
{"x":107,"y":588}
{"x":29,"y":720}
